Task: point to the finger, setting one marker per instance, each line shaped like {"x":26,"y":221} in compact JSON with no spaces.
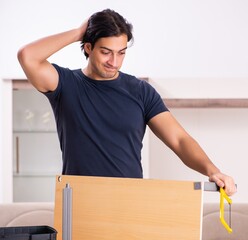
{"x":217,"y":180}
{"x":230,"y":188}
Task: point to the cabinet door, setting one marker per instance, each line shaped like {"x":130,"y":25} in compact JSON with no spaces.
{"x":36,"y":153}
{"x":36,"y":150}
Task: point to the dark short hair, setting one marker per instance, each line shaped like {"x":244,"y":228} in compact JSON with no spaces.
{"x":106,"y":23}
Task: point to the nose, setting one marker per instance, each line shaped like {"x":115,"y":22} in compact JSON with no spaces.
{"x":113,"y":61}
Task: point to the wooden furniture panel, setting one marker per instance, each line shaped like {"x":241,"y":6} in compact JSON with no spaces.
{"x":122,"y":208}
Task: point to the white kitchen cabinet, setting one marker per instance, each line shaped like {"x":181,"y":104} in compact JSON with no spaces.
{"x":36,"y":152}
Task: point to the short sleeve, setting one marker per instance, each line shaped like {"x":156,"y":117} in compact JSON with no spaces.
{"x":54,"y":95}
{"x":153,"y":103}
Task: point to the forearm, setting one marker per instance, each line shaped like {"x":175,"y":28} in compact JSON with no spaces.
{"x":42,"y":49}
{"x":33,"y":57}
{"x":192,"y":155}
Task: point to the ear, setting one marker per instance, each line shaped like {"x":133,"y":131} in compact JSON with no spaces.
{"x":87,"y":48}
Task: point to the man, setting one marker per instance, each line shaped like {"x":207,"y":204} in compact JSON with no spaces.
{"x":101,"y":113}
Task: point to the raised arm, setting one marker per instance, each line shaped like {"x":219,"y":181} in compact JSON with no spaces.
{"x":188,"y":150}
{"x":33,"y":57}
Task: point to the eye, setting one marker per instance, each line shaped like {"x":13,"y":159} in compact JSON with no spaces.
{"x":105,"y":52}
{"x":122,"y":53}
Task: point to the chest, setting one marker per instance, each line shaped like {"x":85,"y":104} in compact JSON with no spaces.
{"x":112,"y":108}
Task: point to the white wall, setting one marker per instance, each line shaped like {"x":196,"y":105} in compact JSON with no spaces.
{"x":1,"y":147}
{"x":173,"y":38}
{"x":189,"y":48}
{"x":6,"y":141}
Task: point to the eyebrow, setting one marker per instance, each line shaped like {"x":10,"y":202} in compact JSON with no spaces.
{"x":113,"y":50}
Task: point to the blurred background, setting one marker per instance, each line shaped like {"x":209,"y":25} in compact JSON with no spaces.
{"x":188,"y":49}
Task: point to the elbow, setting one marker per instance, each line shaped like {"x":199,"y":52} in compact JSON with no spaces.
{"x":26,"y":59}
{"x":22,"y":55}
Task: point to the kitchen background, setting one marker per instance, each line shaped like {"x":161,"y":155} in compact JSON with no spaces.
{"x":187,"y":48}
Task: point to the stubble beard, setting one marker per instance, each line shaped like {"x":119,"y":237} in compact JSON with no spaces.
{"x":104,"y":74}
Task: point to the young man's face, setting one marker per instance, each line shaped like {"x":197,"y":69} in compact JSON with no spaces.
{"x":106,"y":58}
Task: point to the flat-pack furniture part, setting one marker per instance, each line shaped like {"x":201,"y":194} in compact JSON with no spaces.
{"x":102,"y":208}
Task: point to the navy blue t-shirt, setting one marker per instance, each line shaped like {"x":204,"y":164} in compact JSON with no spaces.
{"x":101,"y":124}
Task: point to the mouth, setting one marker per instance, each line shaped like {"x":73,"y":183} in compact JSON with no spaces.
{"x":111,"y":69}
